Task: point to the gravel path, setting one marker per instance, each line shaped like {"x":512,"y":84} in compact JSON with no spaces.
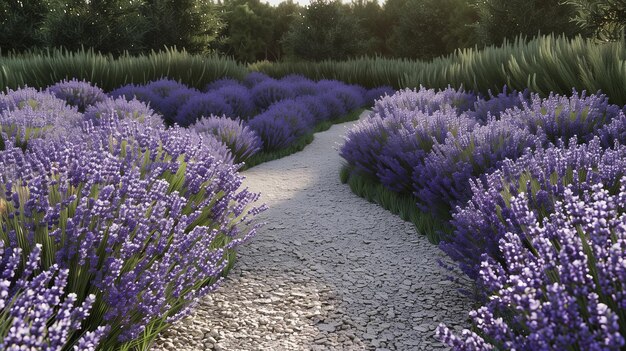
{"x":330,"y":271}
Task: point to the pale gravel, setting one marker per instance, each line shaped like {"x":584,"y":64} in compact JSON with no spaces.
{"x":330,"y":271}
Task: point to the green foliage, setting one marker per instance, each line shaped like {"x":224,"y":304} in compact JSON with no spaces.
{"x":48,"y":67}
{"x":325,"y":30}
{"x":190,"y":24}
{"x":542,"y":65}
{"x":401,"y":204}
{"x":111,"y":26}
{"x":508,"y":19}
{"x":249,"y":30}
{"x":428,"y":28}
{"x":20,"y":22}
{"x":603,"y":19}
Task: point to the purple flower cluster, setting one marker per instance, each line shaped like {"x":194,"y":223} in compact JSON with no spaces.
{"x":543,"y":176}
{"x":561,"y":286}
{"x":121,"y":108}
{"x":37,"y":312}
{"x":425,"y":100}
{"x":242,"y":141}
{"x":494,"y":106}
{"x":392,"y":149}
{"x":78,"y":93}
{"x":267,"y":105}
{"x":133,"y":220}
{"x":561,"y":118}
{"x":443,"y":181}
{"x":28,"y":114}
{"x":282,"y":124}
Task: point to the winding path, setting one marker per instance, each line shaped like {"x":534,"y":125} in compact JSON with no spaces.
{"x":330,"y":271}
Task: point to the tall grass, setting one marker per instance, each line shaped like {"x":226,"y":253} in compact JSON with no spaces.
{"x":43,"y":68}
{"x":543,"y":65}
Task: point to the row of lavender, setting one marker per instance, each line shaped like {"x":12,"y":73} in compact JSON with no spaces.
{"x":276,"y":112}
{"x":533,"y":190}
{"x":111,"y":225}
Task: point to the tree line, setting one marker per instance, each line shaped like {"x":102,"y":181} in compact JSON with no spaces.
{"x":251,"y":30}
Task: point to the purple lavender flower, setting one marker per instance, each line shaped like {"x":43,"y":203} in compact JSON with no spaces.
{"x":81,"y":94}
{"x":282,"y":124}
{"x":170,"y":105}
{"x":378,"y":93}
{"x":164,"y":87}
{"x":222,"y":83}
{"x":443,"y":182}
{"x":270,"y":91}
{"x":335,"y":106}
{"x":31,"y":98}
{"x":391,"y":149}
{"x":132,"y":91}
{"x":351,"y":96}
{"x":562,"y":288}
{"x":316,"y":107}
{"x":121,"y":108}
{"x":613,"y":132}
{"x":239,"y":138}
{"x":254,"y":78}
{"x":239,"y":99}
{"x":561,"y":118}
{"x":36,"y":312}
{"x":492,"y":107}
{"x":141,"y":217}
{"x":425,"y":100}
{"x":543,"y":176}
{"x":48,"y":119}
{"x":202,"y":105}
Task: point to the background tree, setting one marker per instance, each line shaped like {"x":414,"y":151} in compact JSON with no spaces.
{"x":500,"y":19}
{"x":190,"y":24}
{"x":248,"y":30}
{"x":282,"y":18}
{"x":603,"y":19}
{"x":20,"y":23}
{"x":325,"y":30}
{"x":110,"y":26}
{"x":373,"y":21}
{"x":428,"y":28}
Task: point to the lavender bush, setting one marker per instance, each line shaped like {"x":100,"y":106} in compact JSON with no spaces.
{"x":543,"y":176}
{"x":391,"y":149}
{"x":170,"y":105}
{"x":378,"y":93}
{"x":443,"y":182}
{"x":239,"y":99}
{"x":222,"y":83}
{"x":270,"y":91}
{"x":131,"y":91}
{"x":77,"y":93}
{"x":239,"y":138}
{"x":561,"y":287}
{"x":121,"y":108}
{"x":164,"y":87}
{"x":561,"y":118}
{"x":37,"y":314}
{"x":202,"y":105}
{"x":425,"y":100}
{"x":172,"y":210}
{"x":492,"y":107}
{"x":282,"y":124}
{"x":254,"y":78}
{"x":28,"y":114}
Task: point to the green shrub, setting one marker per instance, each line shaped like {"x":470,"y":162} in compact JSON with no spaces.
{"x":543,"y":65}
{"x":40,"y":69}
